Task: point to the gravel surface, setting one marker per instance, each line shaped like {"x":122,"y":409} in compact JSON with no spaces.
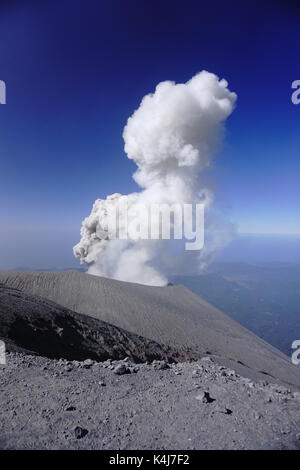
{"x":123,"y":366}
{"x":59,"y":404}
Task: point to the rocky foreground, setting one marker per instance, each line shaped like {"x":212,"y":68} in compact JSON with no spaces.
{"x":60,"y":404}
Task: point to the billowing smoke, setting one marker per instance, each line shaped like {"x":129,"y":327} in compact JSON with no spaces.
{"x":172,"y":138}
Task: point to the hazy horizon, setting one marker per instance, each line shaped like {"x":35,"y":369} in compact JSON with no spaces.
{"x":245,"y":248}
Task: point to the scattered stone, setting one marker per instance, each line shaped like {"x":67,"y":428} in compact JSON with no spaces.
{"x":80,"y":432}
{"x":207,"y":360}
{"x":285,"y":431}
{"x":231,"y":373}
{"x":103,"y":384}
{"x":224,"y":410}
{"x":283,"y":399}
{"x":205,"y":397}
{"x":70,"y":408}
{"x":121,"y":369}
{"x":263,"y":383}
{"x":246,"y":380}
{"x":163,"y":365}
{"x":281,"y":390}
{"x":88,"y":363}
{"x":256,"y":415}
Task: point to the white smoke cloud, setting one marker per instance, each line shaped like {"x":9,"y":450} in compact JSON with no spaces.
{"x":172,"y":138}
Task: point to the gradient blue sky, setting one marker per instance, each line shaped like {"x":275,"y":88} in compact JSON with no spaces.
{"x":76,"y":70}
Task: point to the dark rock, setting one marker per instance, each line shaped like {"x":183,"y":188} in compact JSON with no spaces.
{"x":205,"y":397}
{"x":88,"y":363}
{"x":80,"y":432}
{"x":224,"y":410}
{"x":162,"y":365}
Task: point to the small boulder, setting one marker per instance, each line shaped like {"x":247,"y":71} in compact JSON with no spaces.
{"x":204,"y":397}
{"x":88,"y":363}
{"x":121,"y":369}
{"x":80,"y":432}
{"x":207,"y":360}
{"x":70,"y":408}
{"x":224,"y":410}
{"x":256,"y":415}
{"x":163,"y":365}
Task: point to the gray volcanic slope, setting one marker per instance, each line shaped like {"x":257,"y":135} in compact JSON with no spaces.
{"x":31,"y":324}
{"x":168,"y":315}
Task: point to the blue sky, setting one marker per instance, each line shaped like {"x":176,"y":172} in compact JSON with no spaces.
{"x":76,"y":70}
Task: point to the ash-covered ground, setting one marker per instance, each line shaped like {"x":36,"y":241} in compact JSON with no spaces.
{"x":60,"y":404}
{"x":192,"y":378}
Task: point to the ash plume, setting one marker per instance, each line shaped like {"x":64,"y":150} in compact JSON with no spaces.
{"x":172,"y":138}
